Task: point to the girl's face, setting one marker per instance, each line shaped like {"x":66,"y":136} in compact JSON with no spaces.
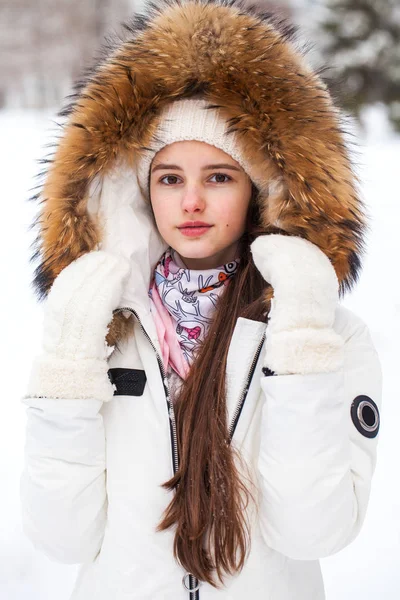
{"x":194,"y":181}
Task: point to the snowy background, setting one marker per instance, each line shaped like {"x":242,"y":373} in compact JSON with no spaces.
{"x":368,"y":568}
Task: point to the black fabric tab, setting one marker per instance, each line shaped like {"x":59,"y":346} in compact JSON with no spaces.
{"x":365,"y":416}
{"x":267,"y":372}
{"x":129,"y":382}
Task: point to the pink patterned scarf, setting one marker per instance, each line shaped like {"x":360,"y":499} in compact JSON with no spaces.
{"x":182,"y":302}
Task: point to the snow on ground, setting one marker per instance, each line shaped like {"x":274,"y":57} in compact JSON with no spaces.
{"x":368,"y":568}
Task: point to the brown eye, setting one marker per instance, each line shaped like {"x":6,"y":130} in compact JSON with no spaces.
{"x":169,"y":177}
{"x":221,"y":175}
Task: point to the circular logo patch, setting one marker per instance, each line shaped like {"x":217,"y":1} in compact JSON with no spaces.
{"x":365,"y":416}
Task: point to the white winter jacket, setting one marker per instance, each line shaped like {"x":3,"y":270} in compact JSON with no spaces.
{"x":91,"y":486}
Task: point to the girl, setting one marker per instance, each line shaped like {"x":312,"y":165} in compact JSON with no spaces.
{"x":202,"y":420}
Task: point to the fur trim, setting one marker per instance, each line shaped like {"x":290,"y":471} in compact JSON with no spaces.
{"x":247,"y":63}
{"x":53,"y":377}
{"x":304,"y":351}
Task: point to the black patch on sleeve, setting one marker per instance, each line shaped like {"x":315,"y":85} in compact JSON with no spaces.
{"x":267,"y":372}
{"x":129,"y":382}
{"x":365,"y":416}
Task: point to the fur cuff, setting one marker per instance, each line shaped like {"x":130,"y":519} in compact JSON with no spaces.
{"x":304,"y":351}
{"x":53,"y":377}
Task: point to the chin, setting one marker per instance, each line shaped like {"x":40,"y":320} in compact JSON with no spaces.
{"x":195,"y":248}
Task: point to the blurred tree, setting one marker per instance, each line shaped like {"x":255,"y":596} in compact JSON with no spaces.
{"x":361,"y":42}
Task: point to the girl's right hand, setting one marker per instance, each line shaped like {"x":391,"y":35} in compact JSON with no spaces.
{"x":79,"y":307}
{"x":80,"y":304}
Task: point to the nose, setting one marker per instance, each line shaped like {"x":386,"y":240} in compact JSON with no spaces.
{"x":193,"y":201}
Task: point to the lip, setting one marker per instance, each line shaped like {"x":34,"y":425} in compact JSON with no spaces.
{"x":194,"y":231}
{"x":194,"y":224}
{"x":194,"y":228}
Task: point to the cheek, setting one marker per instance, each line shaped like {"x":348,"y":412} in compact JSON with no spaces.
{"x":233,"y":216}
{"x":161,"y":212}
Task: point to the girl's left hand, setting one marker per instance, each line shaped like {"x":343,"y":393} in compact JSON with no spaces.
{"x":306,"y":292}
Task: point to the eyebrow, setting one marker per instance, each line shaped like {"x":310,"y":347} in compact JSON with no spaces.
{"x":163,"y":166}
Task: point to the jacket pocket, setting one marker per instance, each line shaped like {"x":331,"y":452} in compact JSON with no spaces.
{"x":127,"y":382}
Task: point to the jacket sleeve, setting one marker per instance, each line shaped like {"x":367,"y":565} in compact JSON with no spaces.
{"x":318,"y":449}
{"x":63,"y":482}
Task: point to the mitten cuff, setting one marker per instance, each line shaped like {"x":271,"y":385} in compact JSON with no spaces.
{"x":53,"y":377}
{"x":303,"y":351}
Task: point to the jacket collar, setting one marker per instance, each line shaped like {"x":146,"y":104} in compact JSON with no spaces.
{"x":245,"y":340}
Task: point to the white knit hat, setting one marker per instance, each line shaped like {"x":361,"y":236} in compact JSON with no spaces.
{"x":188,"y":119}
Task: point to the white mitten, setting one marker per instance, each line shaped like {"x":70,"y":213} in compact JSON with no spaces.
{"x":300,"y":337}
{"x":77,"y":314}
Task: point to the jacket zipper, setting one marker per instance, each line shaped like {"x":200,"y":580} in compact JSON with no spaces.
{"x":245,"y":390}
{"x":193,"y":581}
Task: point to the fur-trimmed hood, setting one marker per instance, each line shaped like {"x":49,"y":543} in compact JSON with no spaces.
{"x":243,"y":61}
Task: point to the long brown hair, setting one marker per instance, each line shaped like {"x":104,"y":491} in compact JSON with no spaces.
{"x":210,"y":498}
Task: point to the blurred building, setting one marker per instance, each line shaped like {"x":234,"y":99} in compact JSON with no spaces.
{"x":46,"y":44}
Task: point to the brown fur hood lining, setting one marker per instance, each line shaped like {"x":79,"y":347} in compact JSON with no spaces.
{"x":249,"y":64}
